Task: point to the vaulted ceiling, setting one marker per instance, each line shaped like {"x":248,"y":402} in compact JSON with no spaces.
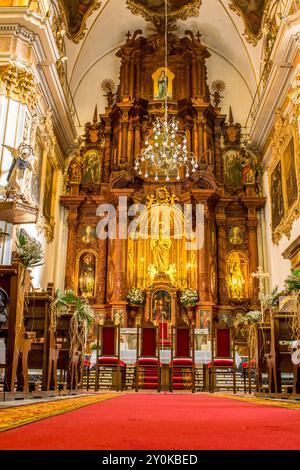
{"x":228,"y":34}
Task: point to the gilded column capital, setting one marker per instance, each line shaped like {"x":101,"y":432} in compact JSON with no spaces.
{"x":19,"y":84}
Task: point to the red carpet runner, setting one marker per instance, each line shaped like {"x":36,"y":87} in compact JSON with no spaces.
{"x":165,"y":421}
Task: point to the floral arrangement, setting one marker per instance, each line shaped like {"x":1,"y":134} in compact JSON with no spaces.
{"x":189,"y":297}
{"x":272,"y":300}
{"x":243,"y":322}
{"x":29,"y":250}
{"x":135,"y":296}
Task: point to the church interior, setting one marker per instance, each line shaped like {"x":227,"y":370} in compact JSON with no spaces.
{"x":150,"y":224}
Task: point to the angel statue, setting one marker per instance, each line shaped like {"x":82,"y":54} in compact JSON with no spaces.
{"x":20,"y":173}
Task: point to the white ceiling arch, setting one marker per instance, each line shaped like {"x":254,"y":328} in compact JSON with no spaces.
{"x":233,"y":59}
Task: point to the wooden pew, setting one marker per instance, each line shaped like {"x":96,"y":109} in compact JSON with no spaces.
{"x":263,"y":348}
{"x":279,"y":360}
{"x":15,"y":280}
{"x":37,"y":321}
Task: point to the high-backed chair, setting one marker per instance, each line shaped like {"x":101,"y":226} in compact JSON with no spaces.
{"x":148,"y":367}
{"x":222,"y":355}
{"x":108,"y":336}
{"x":182,"y":365}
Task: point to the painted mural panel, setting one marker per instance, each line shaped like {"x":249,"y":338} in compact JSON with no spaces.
{"x":277,"y":196}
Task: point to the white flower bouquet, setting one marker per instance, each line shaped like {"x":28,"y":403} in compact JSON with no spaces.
{"x":189,"y":297}
{"x":135,"y":296}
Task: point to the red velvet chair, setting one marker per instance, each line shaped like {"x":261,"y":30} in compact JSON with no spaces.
{"x":147,"y":367}
{"x":108,"y":336}
{"x":222,"y":354}
{"x":182,"y":365}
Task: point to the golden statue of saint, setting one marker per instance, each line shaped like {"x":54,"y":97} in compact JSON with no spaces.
{"x":236,"y":281}
{"x":161,"y":250}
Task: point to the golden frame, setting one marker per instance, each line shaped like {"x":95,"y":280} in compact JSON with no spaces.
{"x":78,"y":35}
{"x":285,"y":130}
{"x":250,"y":37}
{"x":245,"y":259}
{"x":79,"y":254}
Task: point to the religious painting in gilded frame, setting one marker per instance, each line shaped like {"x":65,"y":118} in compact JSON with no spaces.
{"x":92,"y":162}
{"x":277,"y":203}
{"x":161,"y":306}
{"x":48,"y":191}
{"x":284,"y":176}
{"x":162,"y":84}
{"x":205,"y":320}
{"x":252,"y":12}
{"x":76,"y":13}
{"x":290,"y":172}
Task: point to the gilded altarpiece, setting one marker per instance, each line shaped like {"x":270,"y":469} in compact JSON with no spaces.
{"x":102,"y":171}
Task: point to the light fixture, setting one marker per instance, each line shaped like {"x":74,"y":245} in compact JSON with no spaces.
{"x":166,"y":148}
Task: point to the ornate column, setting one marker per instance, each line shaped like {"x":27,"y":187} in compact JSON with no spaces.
{"x":218,"y":152}
{"x":253,"y":204}
{"x":71,"y":253}
{"x":194,"y":77}
{"x":72,"y":222}
{"x":253,"y":256}
{"x":124,"y":107}
{"x":118,"y":300}
{"x":222,"y":251}
{"x":208,"y":199}
{"x":107,"y":152}
{"x":102,"y":272}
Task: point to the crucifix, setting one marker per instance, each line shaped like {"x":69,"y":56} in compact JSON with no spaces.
{"x":261,"y":276}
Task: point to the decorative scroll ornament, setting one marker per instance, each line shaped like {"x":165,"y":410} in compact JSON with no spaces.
{"x":155,"y":11}
{"x":161,"y":197}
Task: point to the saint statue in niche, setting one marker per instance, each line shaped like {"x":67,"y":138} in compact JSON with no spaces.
{"x":20,"y":173}
{"x":236,"y":278}
{"x":86,"y":281}
{"x":161,"y":250}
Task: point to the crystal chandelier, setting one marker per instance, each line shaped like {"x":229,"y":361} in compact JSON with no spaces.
{"x":166,"y":153}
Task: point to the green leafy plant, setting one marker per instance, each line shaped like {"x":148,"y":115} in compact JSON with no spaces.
{"x":135,"y":296}
{"x":81,"y":321}
{"x":293,"y":281}
{"x":189,"y":297}
{"x":60,"y":303}
{"x":272,"y":300}
{"x":29,"y":250}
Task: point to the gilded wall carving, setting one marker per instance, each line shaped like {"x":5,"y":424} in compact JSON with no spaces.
{"x":284,"y":175}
